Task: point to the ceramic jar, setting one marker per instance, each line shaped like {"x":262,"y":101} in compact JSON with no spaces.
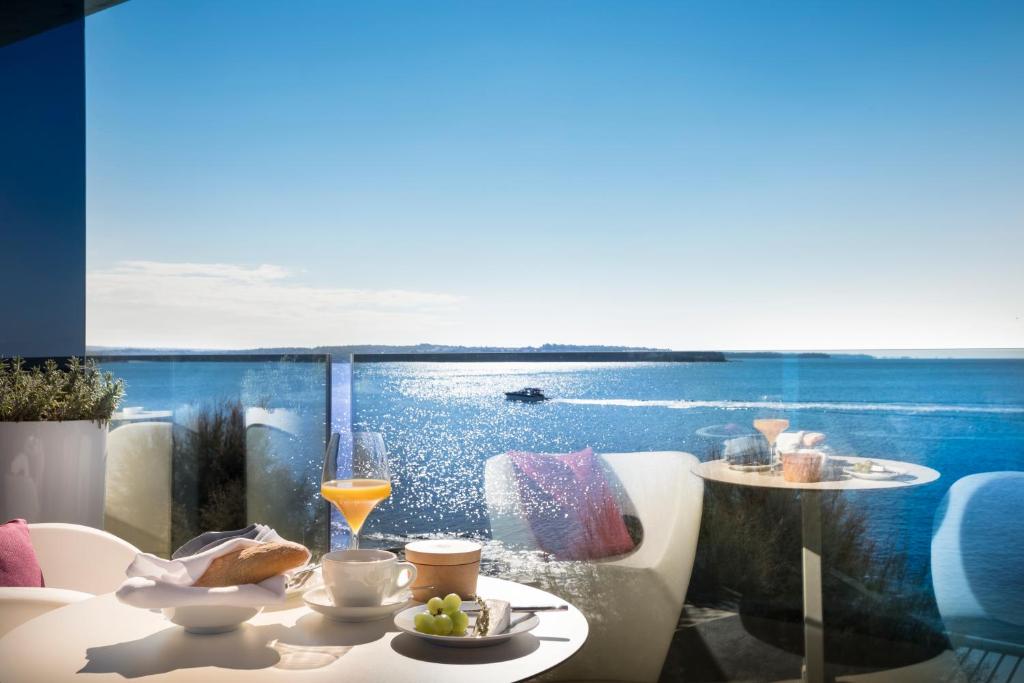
{"x":443,"y":566}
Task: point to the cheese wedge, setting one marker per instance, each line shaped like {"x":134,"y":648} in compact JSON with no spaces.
{"x":493,"y":619}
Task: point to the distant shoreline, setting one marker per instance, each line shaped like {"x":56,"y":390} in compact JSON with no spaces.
{"x":440,"y":353}
{"x":545,"y":357}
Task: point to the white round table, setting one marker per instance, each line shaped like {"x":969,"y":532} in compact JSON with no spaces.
{"x":104,"y":640}
{"x":810,"y":503}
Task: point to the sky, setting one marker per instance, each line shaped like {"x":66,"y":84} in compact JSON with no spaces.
{"x":689,"y":175}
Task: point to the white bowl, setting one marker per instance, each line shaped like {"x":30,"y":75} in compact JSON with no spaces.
{"x":207,"y":619}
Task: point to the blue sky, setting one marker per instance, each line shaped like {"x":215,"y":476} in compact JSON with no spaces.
{"x":693,"y":175}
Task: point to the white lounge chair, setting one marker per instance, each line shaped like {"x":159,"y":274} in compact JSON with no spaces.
{"x":978,"y":562}
{"x":78,"y":562}
{"x":633,"y":602}
{"x":138,"y":499}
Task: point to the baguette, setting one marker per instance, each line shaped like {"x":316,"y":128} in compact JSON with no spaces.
{"x":252,"y":564}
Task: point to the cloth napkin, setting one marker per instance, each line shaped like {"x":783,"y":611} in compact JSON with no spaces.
{"x":211,"y":539}
{"x":154,"y":582}
{"x":787,"y":442}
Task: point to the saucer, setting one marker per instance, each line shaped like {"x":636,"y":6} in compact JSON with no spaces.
{"x":319,"y":600}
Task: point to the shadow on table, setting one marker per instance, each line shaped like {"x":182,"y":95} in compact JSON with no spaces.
{"x":415,"y":648}
{"x":313,"y":642}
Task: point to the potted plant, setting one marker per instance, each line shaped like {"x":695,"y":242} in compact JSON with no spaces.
{"x":53,"y":440}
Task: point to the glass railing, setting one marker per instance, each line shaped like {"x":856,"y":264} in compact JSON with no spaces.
{"x":219,"y":442}
{"x":687,"y":577}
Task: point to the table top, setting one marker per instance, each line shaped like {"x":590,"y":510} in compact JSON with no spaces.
{"x":110,"y":641}
{"x":914,"y":475}
{"x":729,"y":430}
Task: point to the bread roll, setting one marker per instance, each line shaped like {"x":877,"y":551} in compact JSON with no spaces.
{"x":812,"y":439}
{"x":252,"y":564}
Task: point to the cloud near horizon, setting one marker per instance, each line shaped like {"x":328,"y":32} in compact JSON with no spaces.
{"x":219,"y":305}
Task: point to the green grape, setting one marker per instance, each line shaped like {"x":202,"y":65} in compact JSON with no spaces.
{"x":460,"y":622}
{"x":452,"y":603}
{"x":443,"y":625}
{"x":424,"y":622}
{"x":435,"y":605}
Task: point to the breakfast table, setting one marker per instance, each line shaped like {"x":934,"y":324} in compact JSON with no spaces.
{"x":101,"y":639}
{"x":810,"y":502}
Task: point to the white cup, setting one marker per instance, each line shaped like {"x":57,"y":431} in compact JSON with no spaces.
{"x":365,"y":578}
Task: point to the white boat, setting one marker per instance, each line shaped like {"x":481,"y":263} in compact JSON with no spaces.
{"x":527,"y":395}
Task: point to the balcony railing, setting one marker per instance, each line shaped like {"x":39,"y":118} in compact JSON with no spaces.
{"x":688,"y":579}
{"x":217,"y":442}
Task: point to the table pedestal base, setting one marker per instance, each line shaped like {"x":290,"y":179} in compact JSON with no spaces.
{"x":814,"y":637}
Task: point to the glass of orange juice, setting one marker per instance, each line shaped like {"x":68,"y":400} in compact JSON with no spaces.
{"x":771,"y":428}
{"x":356,"y":487}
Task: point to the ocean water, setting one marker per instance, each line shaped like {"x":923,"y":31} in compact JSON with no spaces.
{"x":441,"y":421}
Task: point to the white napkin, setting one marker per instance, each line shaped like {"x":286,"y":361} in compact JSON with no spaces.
{"x":154,"y":582}
{"x":787,"y":442}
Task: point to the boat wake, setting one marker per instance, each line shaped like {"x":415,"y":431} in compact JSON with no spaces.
{"x":783,"y":406}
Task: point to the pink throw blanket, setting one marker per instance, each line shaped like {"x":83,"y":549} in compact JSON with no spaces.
{"x":570,"y":505}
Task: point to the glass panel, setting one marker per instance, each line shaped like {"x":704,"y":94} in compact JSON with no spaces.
{"x":218,"y":442}
{"x":632,"y":535}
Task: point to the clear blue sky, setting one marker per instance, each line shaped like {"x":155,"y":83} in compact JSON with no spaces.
{"x":691,"y":175}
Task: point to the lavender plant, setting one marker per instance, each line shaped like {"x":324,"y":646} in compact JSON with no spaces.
{"x":49,"y":393}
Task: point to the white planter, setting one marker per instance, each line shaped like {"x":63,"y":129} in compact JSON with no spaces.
{"x":53,"y":471}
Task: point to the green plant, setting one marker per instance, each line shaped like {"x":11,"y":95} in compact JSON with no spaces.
{"x":49,"y":393}
{"x":748,"y":560}
{"x":209,"y":472}
{"x":210,"y":480}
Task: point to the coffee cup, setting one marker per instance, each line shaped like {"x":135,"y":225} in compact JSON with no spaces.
{"x":365,"y":578}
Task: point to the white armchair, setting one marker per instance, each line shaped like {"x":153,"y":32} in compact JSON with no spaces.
{"x":633,"y":602}
{"x":78,"y":562}
{"x":978,"y":562}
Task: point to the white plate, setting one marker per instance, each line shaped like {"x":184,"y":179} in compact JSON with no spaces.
{"x":750,"y":468}
{"x":875,"y":475}
{"x":208,"y":619}
{"x":319,"y":601}
{"x":404,"y":620}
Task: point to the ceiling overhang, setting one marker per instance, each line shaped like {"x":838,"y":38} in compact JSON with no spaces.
{"x":20,"y":19}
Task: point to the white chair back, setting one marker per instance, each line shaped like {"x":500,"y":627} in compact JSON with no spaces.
{"x":81,"y":558}
{"x":645,"y":588}
{"x":977,"y":560}
{"x":138,"y":499}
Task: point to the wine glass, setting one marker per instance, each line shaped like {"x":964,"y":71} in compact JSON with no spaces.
{"x":770,"y":428}
{"x":355,"y":486}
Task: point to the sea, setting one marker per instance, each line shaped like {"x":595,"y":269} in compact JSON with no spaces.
{"x":440,"y":422}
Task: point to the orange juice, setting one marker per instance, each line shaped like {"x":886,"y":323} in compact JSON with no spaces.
{"x":355,"y":498}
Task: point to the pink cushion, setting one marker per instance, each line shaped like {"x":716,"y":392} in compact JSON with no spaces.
{"x":18,"y":563}
{"x":571,"y":505}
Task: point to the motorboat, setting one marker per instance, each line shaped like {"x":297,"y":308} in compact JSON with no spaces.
{"x":527,"y":395}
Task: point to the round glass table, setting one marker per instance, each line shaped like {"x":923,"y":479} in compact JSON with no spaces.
{"x":810,"y":502}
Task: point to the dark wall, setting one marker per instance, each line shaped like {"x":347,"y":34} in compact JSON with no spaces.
{"x":42,"y":193}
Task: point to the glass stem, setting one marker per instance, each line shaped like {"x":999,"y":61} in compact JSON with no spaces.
{"x":353,"y":539}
